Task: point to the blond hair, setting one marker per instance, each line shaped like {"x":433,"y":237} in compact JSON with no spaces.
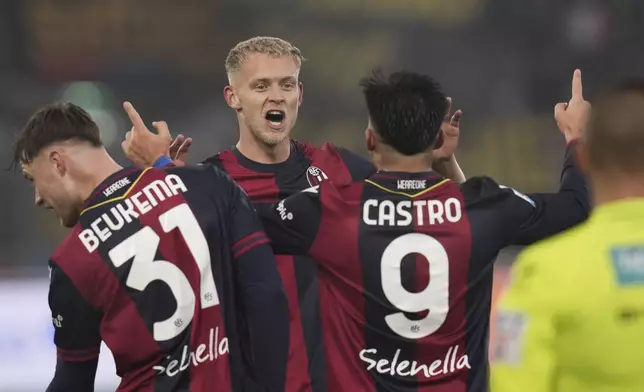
{"x":271,"y":46}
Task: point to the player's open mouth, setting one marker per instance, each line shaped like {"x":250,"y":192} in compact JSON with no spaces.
{"x":275,"y":118}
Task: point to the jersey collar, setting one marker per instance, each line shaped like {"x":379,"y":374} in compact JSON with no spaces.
{"x":266,"y":167}
{"x":406,"y":184}
{"x":98,"y":194}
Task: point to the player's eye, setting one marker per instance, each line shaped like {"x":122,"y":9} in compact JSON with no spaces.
{"x":288,"y":86}
{"x":260,"y":87}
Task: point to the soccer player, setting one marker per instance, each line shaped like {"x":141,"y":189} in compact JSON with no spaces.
{"x":573,"y":316}
{"x":265,"y":93}
{"x":406,"y":256}
{"x":170,"y":268}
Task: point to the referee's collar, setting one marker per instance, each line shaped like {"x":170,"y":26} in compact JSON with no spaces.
{"x":631,"y":208}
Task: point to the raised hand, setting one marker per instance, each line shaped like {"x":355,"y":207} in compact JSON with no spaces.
{"x":450,"y":131}
{"x":572,"y":117}
{"x":443,"y":159}
{"x":141,"y":146}
{"x":179,"y":149}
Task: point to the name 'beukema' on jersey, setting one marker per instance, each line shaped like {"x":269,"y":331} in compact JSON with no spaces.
{"x":168,"y":268}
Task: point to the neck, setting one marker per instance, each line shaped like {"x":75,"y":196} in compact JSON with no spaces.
{"x":259,"y":152}
{"x":607,"y":188}
{"x":403,"y":163}
{"x":96,"y":169}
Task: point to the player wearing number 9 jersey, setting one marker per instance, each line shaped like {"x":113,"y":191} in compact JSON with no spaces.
{"x":170,"y":268}
{"x":405,"y":257}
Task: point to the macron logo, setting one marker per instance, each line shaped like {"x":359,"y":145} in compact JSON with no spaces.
{"x":58,"y":321}
{"x":284,"y":215}
{"x":521,"y":195}
{"x":313,"y":189}
{"x":116,"y":186}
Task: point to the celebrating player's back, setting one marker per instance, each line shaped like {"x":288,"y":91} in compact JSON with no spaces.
{"x":170,"y":268}
{"x":406,"y":256}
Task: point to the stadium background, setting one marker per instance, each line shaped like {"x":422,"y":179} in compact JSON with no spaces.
{"x":504,"y":62}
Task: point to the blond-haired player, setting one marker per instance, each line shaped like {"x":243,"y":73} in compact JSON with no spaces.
{"x":265,"y":92}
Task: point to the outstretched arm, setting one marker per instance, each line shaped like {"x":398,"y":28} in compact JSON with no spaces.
{"x":546,"y":214}
{"x":292,"y":223}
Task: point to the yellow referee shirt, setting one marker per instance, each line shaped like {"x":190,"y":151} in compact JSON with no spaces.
{"x":572,"y":319}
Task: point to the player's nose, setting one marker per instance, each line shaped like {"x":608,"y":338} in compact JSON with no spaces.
{"x":276,"y":95}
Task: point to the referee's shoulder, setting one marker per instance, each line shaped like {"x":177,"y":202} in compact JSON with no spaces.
{"x":542,"y":271}
{"x":560,"y":249}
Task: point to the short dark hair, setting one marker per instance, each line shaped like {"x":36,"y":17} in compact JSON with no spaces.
{"x":615,"y":136}
{"x":54,"y":123}
{"x":406,"y":109}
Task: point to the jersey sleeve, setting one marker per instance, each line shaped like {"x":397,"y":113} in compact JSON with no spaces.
{"x":74,"y":376}
{"x":524,"y":351}
{"x":532,"y":217}
{"x":359,"y":167}
{"x":292,"y":223}
{"x":263,"y":300}
{"x":76,"y":323}
{"x":554,"y":212}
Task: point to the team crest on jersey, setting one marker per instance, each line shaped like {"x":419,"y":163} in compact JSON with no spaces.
{"x":315,"y":175}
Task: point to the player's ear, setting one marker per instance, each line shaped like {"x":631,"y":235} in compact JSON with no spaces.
{"x":370,"y":139}
{"x":231,"y":97}
{"x":58,"y":162}
{"x":301,"y":88}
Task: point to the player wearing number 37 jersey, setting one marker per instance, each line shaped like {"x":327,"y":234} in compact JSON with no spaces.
{"x":405,"y":257}
{"x":170,"y":268}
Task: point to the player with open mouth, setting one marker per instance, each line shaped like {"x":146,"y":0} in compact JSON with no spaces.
{"x":275,"y":119}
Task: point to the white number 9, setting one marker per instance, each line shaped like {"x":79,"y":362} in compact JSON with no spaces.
{"x":434,"y":298}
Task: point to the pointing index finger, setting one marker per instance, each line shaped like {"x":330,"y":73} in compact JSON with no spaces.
{"x":136,"y":119}
{"x":577,"y":88}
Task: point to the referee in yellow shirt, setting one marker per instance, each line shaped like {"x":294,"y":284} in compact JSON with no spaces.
{"x":572,"y":319}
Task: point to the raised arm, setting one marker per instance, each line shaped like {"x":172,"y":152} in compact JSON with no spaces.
{"x":553,"y":213}
{"x":546,"y":214}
